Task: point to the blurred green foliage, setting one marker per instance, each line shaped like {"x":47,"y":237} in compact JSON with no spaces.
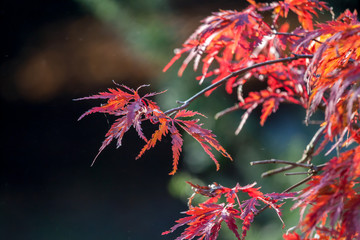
{"x":136,"y":23}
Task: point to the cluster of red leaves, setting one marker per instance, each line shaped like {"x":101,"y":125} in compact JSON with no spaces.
{"x":334,"y":201}
{"x":237,"y":40}
{"x":333,"y":198}
{"x":204,"y":221}
{"x":131,"y":110}
{"x":316,"y":66}
{"x":304,"y":9}
{"x":333,"y":75}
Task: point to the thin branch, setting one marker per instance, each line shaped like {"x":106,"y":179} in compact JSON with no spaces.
{"x":306,"y":157}
{"x":312,"y":171}
{"x":227,"y":110}
{"x":298,"y":184}
{"x":288,"y":190}
{"x":296,"y":173}
{"x":187,"y":102}
{"x":294,"y":164}
{"x":244,"y":117}
{"x":314,"y":122}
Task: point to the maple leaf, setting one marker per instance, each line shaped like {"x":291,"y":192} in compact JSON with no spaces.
{"x":270,"y":102}
{"x":222,"y":37}
{"x":132,"y":109}
{"x":205,"y":137}
{"x":129,"y":107}
{"x":291,"y":236}
{"x":332,"y":197}
{"x":332,"y":75}
{"x":304,"y":9}
{"x":204,"y":221}
{"x":177,"y":143}
{"x":228,"y":38}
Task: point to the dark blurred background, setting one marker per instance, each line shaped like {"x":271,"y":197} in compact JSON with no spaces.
{"x":54,"y":51}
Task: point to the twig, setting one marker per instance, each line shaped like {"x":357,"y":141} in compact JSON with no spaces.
{"x":295,"y":164}
{"x":187,"y":102}
{"x":227,"y":110}
{"x":288,"y":190}
{"x":306,"y":157}
{"x":298,"y":184}
{"x":314,"y":122}
{"x":312,"y":171}
{"x":296,"y":173}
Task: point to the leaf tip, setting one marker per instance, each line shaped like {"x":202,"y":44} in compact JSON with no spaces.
{"x":166,"y":232}
{"x":217,"y":166}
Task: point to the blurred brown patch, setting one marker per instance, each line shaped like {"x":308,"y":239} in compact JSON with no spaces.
{"x":76,"y":57}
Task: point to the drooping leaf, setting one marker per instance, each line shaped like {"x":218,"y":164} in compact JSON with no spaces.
{"x":177,"y":143}
{"x":132,"y":109}
{"x":205,"y":137}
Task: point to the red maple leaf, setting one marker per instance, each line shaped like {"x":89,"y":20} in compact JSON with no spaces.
{"x":129,"y":107}
{"x":222,"y":37}
{"x":204,"y":221}
{"x":132,"y":109}
{"x":291,"y":236}
{"x":332,"y":197}
{"x":205,"y":137}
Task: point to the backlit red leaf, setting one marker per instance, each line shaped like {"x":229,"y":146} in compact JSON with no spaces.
{"x":204,"y":221}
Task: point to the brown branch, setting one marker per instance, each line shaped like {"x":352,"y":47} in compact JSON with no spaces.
{"x":296,"y":173}
{"x":227,"y":110}
{"x":306,"y":157}
{"x":298,"y":184}
{"x":294,"y":164}
{"x":288,"y":190}
{"x":187,"y":102}
{"x":312,"y":171}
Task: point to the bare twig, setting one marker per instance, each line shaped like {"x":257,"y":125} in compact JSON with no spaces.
{"x":296,"y":173}
{"x":288,"y":190}
{"x":295,"y":164}
{"x":227,"y":110}
{"x":298,"y":184}
{"x":306,"y":157}
{"x":187,"y":102}
{"x":314,"y":122}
